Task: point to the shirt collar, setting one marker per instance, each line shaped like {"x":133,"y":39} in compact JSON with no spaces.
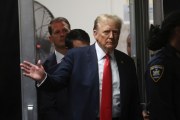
{"x":101,"y":53}
{"x":59,"y":56}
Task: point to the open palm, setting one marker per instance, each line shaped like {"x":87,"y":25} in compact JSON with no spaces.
{"x":36,"y":72}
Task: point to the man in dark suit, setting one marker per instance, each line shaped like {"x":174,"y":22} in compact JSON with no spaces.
{"x":82,"y":69}
{"x":52,"y":104}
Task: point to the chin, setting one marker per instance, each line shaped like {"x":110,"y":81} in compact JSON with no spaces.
{"x":110,"y":47}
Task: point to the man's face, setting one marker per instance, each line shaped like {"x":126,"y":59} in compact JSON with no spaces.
{"x":79,"y":43}
{"x":59,"y":32}
{"x":107,"y":34}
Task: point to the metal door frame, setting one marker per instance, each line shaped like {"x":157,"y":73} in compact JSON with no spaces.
{"x":158,"y":12}
{"x":139,"y":28}
{"x":27,"y":52}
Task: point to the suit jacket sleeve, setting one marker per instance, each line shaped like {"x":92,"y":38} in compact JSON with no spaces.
{"x":60,"y":77}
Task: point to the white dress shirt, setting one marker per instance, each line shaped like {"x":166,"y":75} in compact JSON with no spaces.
{"x":115,"y":78}
{"x":59,"y":56}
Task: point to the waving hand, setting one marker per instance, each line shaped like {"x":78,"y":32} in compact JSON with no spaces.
{"x":35,"y":72}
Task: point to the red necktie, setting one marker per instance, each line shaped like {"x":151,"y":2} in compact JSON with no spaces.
{"x":106,"y":98}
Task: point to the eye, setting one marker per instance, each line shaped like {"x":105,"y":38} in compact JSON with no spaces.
{"x":115,"y":32}
{"x":106,"y":32}
{"x":56,"y":32}
{"x":65,"y":30}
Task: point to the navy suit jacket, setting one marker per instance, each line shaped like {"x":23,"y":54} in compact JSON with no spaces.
{"x":79,"y":70}
{"x":52,"y":104}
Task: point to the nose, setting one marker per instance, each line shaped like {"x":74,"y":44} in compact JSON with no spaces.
{"x":62,"y":33}
{"x":111,"y":34}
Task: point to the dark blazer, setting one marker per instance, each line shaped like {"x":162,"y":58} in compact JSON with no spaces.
{"x":79,"y":69}
{"x":52,"y":104}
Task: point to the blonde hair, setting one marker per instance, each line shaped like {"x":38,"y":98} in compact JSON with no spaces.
{"x":102,"y":17}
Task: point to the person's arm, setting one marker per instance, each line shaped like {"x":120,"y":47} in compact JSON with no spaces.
{"x":58,"y":78}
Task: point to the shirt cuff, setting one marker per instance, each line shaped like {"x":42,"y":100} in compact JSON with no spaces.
{"x":40,"y":83}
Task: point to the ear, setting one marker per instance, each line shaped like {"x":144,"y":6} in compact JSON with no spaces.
{"x":50,"y":39}
{"x":94,"y":32}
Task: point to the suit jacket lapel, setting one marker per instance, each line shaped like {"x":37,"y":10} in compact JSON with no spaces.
{"x":122,"y":75}
{"x":52,"y":60}
{"x":51,"y":63}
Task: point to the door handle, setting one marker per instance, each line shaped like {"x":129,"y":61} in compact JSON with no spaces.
{"x":30,"y":109}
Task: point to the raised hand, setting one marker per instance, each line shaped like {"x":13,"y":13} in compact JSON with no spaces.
{"x":36,"y":72}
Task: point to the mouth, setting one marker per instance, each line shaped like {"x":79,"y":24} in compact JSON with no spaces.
{"x":62,"y":39}
{"x":109,"y":43}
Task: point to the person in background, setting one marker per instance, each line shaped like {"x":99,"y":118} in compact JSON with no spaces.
{"x":128,"y":41}
{"x":145,"y":113}
{"x":77,"y":38}
{"x":52,"y":104}
{"x":163,"y":70}
{"x":101,"y":81}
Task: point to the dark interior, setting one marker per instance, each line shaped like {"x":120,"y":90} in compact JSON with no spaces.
{"x":10,"y":86}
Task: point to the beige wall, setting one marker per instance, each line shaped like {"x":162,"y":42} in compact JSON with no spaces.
{"x":81,"y":14}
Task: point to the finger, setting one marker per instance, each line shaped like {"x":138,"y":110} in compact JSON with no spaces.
{"x":28,"y":64}
{"x":39,"y":63}
{"x":24,"y":66}
{"x":25,"y":69}
{"x":148,"y":112}
{"x":26,"y":74}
